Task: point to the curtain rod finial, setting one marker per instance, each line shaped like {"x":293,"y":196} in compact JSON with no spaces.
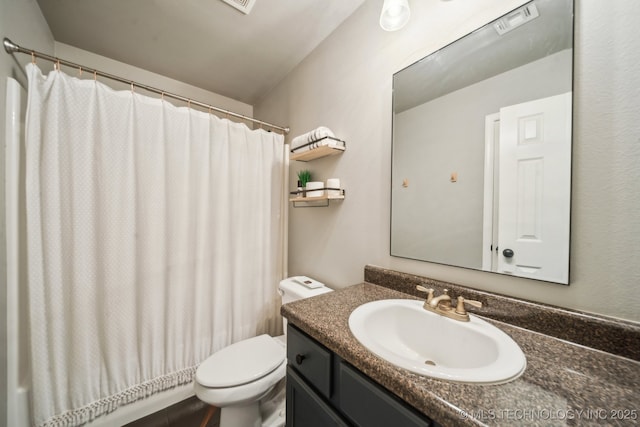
{"x":9,"y":46}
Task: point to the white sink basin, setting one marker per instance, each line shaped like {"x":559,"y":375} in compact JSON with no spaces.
{"x":403,"y":333}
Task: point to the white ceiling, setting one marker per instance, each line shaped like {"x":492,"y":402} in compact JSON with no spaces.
{"x":206,"y":43}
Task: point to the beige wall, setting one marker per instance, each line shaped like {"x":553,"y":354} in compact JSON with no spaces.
{"x":345,"y":84}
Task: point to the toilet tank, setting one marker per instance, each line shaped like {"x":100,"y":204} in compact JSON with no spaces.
{"x":297,"y":288}
{"x":300,"y":287}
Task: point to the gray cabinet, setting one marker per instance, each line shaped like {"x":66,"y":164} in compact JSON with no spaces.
{"x":324,"y":390}
{"x":306,"y":408}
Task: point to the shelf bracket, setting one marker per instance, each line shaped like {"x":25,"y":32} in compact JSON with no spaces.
{"x":311,"y":204}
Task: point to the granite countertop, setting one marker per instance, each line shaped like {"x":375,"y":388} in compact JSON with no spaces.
{"x":563,"y":384}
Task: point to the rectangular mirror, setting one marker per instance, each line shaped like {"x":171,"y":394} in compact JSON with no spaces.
{"x":481,"y":166}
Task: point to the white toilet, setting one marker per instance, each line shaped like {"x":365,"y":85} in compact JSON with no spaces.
{"x":238,"y":376}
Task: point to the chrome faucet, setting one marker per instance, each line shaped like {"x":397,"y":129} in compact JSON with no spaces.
{"x":442,"y":304}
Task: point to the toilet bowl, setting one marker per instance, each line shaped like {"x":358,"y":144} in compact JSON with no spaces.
{"x":236,"y":377}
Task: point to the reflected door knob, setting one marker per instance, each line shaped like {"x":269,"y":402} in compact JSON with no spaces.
{"x":508,"y":253}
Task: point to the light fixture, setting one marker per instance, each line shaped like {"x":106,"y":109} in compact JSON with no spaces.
{"x":516,"y":18}
{"x":395,"y":14}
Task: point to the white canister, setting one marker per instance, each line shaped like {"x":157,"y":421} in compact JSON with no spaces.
{"x":314,"y":189}
{"x":334,"y":185}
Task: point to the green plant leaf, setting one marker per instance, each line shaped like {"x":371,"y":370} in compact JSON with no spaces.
{"x":304,"y":176}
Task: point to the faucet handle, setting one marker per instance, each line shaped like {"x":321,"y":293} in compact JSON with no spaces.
{"x":462,"y":301}
{"x":429,"y":292}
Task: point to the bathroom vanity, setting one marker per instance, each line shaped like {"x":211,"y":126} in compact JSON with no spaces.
{"x":333,"y":380}
{"x":325,"y":390}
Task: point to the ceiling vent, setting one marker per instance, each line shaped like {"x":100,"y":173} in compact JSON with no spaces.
{"x":516,"y":18}
{"x":243,"y":6}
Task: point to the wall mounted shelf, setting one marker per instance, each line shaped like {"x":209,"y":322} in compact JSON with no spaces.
{"x":308,"y":202}
{"x":323,"y":147}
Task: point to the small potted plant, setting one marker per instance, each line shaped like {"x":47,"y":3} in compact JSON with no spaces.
{"x":304,"y":176}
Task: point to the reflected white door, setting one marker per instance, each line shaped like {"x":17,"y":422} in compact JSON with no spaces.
{"x":535,"y":185}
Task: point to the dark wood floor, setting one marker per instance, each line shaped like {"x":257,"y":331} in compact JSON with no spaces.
{"x":188,"y":413}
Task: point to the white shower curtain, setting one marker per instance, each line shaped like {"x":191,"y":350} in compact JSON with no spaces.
{"x":154,"y":239}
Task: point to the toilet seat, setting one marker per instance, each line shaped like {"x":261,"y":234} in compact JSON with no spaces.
{"x":241,"y":363}
{"x":242,"y":394}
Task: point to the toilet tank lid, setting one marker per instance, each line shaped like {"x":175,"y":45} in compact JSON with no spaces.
{"x":304,"y":281}
{"x":241,"y":363}
{"x":299,"y":287}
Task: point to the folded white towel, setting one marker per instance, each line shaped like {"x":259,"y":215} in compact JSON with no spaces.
{"x":311,"y":136}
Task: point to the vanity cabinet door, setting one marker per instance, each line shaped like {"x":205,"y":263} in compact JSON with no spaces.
{"x":310,"y":359}
{"x":369,"y":405}
{"x":305,"y":408}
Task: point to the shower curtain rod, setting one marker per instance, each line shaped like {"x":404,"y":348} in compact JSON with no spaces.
{"x":11,"y":47}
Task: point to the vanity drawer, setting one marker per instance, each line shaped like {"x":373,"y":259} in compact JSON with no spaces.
{"x":310,"y":359}
{"x":368,"y":405}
